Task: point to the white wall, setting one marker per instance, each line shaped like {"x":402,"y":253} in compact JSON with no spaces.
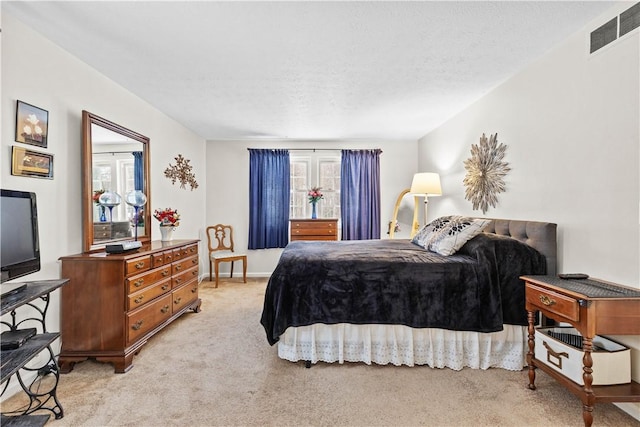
{"x":228,"y":184}
{"x":571,"y":122}
{"x":40,"y":73}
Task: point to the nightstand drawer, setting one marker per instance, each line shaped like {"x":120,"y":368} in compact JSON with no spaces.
{"x":562,"y":305}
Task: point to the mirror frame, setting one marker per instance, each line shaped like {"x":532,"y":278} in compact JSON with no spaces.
{"x":88,"y":119}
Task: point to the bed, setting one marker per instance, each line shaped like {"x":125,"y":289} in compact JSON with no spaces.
{"x":394,"y":302}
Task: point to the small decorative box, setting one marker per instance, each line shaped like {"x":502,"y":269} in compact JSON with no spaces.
{"x":561,"y":349}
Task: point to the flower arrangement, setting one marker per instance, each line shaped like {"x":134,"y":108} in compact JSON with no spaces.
{"x":167,"y":217}
{"x":315,"y":194}
{"x":96,"y":196}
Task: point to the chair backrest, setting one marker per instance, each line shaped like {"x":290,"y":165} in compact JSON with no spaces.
{"x":220,"y":237}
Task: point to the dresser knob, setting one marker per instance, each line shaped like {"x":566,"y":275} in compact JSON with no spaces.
{"x":177,"y":300}
{"x":165,"y":287}
{"x":165,"y":273}
{"x":546,"y":300}
{"x":138,"y":283}
{"x":164,"y":309}
{"x":194,"y":290}
{"x":140,"y":265}
{"x":136,"y":326}
{"x":179,"y":267}
{"x":139,"y":299}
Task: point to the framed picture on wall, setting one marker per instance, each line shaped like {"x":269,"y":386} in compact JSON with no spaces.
{"x":31,"y":163}
{"x":32,"y":124}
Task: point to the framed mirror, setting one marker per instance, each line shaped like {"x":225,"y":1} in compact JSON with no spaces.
{"x":114,"y":160}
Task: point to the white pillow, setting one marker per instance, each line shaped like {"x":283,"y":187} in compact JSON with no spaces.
{"x":426,"y":234}
{"x":458,"y":231}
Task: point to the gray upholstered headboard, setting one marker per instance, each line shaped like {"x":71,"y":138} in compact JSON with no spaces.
{"x":540,"y":235}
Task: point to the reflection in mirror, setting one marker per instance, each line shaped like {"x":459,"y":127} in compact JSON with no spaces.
{"x":115,"y":164}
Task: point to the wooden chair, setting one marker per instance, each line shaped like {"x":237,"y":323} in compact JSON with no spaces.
{"x":220,"y":238}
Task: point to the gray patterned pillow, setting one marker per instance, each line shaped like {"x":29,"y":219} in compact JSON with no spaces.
{"x":458,"y":231}
{"x":426,"y":234}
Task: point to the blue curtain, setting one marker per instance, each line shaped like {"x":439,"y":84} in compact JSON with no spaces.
{"x":138,"y":171}
{"x":269,"y":182}
{"x":360,"y":194}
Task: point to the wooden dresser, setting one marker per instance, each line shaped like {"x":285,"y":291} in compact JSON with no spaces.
{"x":314,"y":229}
{"x":114,"y":303}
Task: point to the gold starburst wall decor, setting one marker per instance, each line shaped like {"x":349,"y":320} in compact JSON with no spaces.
{"x":181,"y":171}
{"x":485,"y":172}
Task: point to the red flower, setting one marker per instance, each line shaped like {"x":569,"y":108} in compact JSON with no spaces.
{"x":315,"y":194}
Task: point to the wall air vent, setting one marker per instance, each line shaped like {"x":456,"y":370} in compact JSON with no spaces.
{"x":604,"y":35}
{"x":630,"y":19}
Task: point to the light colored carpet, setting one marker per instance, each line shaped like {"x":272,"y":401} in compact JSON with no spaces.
{"x":216,"y":368}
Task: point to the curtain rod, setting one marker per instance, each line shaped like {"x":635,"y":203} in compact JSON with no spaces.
{"x":314,"y":149}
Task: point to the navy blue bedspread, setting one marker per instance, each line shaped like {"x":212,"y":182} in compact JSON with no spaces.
{"x":397,"y":282}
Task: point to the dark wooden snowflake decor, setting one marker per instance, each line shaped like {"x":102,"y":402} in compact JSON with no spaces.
{"x":485,"y":173}
{"x":181,"y":171}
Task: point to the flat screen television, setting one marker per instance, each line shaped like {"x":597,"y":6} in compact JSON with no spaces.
{"x":20,"y":245}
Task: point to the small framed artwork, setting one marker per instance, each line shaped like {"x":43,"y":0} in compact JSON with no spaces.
{"x":32,"y":124}
{"x":31,"y":163}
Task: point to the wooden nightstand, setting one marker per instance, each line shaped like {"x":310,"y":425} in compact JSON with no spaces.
{"x":314,"y":229}
{"x":592,"y":307}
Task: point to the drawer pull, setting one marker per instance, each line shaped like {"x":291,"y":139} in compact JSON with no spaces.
{"x":136,"y":326}
{"x":168,"y":257}
{"x":177,"y":300}
{"x":138,"y":283}
{"x":139,"y":265}
{"x":192,"y":250}
{"x":558,"y":356}
{"x":194,"y":290}
{"x":194,"y":273}
{"x":194,"y":261}
{"x":547,"y":301}
{"x":178,"y":279}
{"x":164,"y":309}
{"x":165,"y":287}
{"x":165,"y":273}
{"x":179,"y":267}
{"x":139,"y":299}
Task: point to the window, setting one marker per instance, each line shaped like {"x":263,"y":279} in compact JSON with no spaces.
{"x":315,"y":170}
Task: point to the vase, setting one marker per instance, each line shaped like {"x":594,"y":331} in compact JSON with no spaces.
{"x":314,"y":214}
{"x":166,"y":231}
{"x":103,"y":216}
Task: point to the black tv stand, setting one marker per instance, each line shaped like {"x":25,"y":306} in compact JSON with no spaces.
{"x":43,"y":401}
{"x":14,"y":291}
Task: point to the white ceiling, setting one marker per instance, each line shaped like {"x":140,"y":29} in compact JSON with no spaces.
{"x":308,"y":70}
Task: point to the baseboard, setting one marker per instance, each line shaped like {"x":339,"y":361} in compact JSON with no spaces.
{"x":632,"y":409}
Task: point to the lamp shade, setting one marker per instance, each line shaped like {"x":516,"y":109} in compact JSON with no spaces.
{"x":427,"y":183}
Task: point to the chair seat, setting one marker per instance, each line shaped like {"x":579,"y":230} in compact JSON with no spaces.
{"x":227,"y":254}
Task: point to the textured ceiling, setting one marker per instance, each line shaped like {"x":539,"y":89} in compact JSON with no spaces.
{"x":308,"y":70}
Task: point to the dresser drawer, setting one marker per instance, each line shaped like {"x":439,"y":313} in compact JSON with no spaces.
{"x":141,"y":281}
{"x":183,"y":265}
{"x":184,"y":295}
{"x":553,"y":302}
{"x":313,"y":225}
{"x":142,"y":297}
{"x":138,"y":265}
{"x":182,"y":278}
{"x":190,"y":250}
{"x":141,"y":321}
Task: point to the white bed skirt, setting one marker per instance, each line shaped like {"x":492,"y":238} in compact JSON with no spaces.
{"x":402,"y":345}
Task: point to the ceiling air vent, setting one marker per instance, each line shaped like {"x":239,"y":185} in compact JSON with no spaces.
{"x":604,"y":35}
{"x":630,"y":19}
